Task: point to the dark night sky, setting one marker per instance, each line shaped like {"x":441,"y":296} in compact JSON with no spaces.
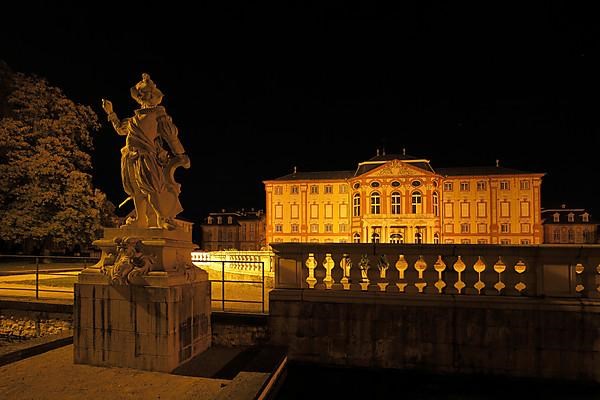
{"x":257,"y":89}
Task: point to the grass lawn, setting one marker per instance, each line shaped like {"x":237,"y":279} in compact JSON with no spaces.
{"x":29,"y":265}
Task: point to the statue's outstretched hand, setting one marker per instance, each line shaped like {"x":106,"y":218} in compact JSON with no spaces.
{"x":107,"y":106}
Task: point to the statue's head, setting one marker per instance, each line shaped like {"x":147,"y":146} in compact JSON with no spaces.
{"x":146,"y":93}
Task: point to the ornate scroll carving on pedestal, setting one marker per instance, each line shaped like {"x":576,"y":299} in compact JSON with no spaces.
{"x":128,"y":262}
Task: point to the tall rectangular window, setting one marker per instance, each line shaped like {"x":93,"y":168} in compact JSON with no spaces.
{"x":294,"y":228}
{"x":294,"y":190}
{"x":328,"y":227}
{"x":396,"y":205}
{"x":314,"y":228}
{"x":481,"y":209}
{"x":278,"y":211}
{"x":448,"y":186}
{"x":464,"y":228}
{"x":524,"y":185}
{"x":556,"y":235}
{"x":314,"y":189}
{"x":481,"y":185}
{"x":294,"y":211}
{"x":328,"y":189}
{"x":464,"y":210}
{"x":343,"y":210}
{"x":448,"y":210}
{"x":328,"y":210}
{"x":504,"y":185}
{"x":504,"y":209}
{"x":524,"y":209}
{"x":505,"y":228}
{"x":314,"y":211}
{"x":278,"y":228}
{"x":464,"y":186}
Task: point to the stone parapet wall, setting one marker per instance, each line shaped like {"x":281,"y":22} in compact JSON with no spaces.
{"x":506,"y":336}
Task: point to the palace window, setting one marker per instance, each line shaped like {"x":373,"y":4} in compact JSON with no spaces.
{"x":294,"y":211}
{"x":278,"y":190}
{"x":524,"y":209}
{"x":481,"y":185}
{"x":481,"y":241}
{"x":328,"y":189}
{"x":481,"y":209}
{"x":343,"y":189}
{"x":464,"y":228}
{"x":356,"y":238}
{"x":556,"y":217}
{"x":571,"y":236}
{"x":525,"y":241}
{"x":209,"y":220}
{"x":375,"y":237}
{"x":417,"y":205}
{"x":328,"y":210}
{"x":448,"y":210}
{"x":504,"y":241}
{"x":343,"y":228}
{"x":396,"y":238}
{"x":294,"y":190}
{"x":524,"y":185}
{"x":229,"y":220}
{"x":449,"y":228}
{"x":219,"y":220}
{"x":464,"y":210}
{"x":278,"y":228}
{"x":556,"y":235}
{"x":436,"y":204}
{"x":465,"y":241}
{"x":328,"y":227}
{"x":314,"y":211}
{"x":418,"y":238}
{"x":356,"y":205}
{"x":525,"y":228}
{"x":436,"y":238}
{"x":571,"y":217}
{"x":396,"y":203}
{"x":504,"y":185}
{"x":448,"y":186}
{"x":314,"y":228}
{"x":294,"y":227}
{"x":375,"y":203}
{"x":481,"y":228}
{"x":464,"y":186}
{"x":585,"y":217}
{"x":504,"y":209}
{"x":505,"y":228}
{"x":314,"y":189}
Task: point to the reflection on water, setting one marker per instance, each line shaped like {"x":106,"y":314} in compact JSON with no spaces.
{"x":315,"y":382}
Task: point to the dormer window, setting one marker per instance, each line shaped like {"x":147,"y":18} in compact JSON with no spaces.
{"x":229,"y":220}
{"x":219,"y":220}
{"x":556,"y":217}
{"x":585,"y":217}
{"x":209,"y":220}
{"x":571,"y":217}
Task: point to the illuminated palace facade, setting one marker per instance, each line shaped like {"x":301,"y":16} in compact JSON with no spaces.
{"x":397,"y":198}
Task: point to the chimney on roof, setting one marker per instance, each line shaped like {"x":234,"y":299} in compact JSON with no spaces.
{"x":222,"y":210}
{"x":378,"y":151}
{"x":497,"y":163}
{"x":404,"y":151}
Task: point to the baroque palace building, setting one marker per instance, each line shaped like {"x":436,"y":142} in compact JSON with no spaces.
{"x":397,"y":198}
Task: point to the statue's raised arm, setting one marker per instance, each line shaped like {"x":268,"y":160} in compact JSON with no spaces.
{"x":147,"y":164}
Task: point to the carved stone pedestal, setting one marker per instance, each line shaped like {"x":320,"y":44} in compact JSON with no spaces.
{"x":144,"y":305}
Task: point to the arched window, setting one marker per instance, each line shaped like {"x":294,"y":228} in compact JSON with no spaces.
{"x":436,"y":238}
{"x":356,"y":205}
{"x":396,"y":203}
{"x":418,"y":238}
{"x":396,"y":238}
{"x":375,"y":203}
{"x":436,"y":204}
{"x":356,"y":238}
{"x":375,"y":238}
{"x":417,"y":203}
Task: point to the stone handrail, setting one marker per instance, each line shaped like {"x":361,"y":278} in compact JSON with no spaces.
{"x":241,"y":262}
{"x":479,"y":270}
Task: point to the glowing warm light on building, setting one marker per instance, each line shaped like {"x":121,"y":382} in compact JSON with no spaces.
{"x":397,"y":198}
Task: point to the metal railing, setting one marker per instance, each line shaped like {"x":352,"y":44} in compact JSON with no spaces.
{"x":223,"y":298}
{"x":23,"y":265}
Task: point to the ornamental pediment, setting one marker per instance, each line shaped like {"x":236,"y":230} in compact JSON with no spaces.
{"x":397,"y":168}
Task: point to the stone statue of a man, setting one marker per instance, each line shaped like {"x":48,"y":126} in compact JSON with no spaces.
{"x":147,"y":164}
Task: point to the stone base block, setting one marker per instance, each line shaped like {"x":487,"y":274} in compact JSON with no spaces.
{"x":154,"y":328}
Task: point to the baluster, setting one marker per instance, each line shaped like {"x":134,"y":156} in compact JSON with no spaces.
{"x":579,"y":268}
{"x":382,"y":265}
{"x":401,"y":266}
{"x":391,"y":276}
{"x":311,"y":263}
{"x":337,"y":273}
{"x":479,"y":267}
{"x":520,"y":267}
{"x":459,"y":266}
{"x":372,"y":274}
{"x":420,"y":266}
{"x":345,"y":267}
{"x":499,"y":268}
{"x":328,"y":264}
{"x":320,"y":274}
{"x":440,"y":267}
{"x":355,"y":276}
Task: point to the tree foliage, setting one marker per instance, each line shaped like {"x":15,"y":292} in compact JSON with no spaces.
{"x":46,"y":191}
